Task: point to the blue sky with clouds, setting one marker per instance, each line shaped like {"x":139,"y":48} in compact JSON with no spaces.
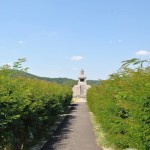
{"x":60,"y":37}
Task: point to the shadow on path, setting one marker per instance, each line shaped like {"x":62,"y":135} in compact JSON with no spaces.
{"x":63,"y":130}
{"x":75,"y":132}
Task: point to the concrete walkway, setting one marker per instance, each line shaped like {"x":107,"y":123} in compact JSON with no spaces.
{"x":76,"y":132}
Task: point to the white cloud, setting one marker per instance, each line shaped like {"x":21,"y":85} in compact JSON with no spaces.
{"x":76,"y":58}
{"x":20,"y":42}
{"x":10,"y":64}
{"x":142,"y":52}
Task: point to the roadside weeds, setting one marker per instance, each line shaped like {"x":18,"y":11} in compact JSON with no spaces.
{"x":100,"y":135}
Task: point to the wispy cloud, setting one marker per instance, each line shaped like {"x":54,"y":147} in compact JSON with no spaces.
{"x":20,"y":42}
{"x":77,"y":58}
{"x":142,"y":52}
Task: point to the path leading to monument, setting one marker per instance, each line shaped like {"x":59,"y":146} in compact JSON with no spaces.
{"x":76,"y":132}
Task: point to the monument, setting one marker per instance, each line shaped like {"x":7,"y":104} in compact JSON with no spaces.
{"x":80,"y":90}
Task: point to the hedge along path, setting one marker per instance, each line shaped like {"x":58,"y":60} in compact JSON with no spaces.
{"x":28,"y":107}
{"x":75,"y":132}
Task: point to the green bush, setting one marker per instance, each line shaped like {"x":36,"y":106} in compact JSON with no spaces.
{"x":28,"y":107}
{"x":121,"y":105}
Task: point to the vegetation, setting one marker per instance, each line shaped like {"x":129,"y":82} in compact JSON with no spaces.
{"x":93,"y":82}
{"x":60,"y":81}
{"x":27,"y":106}
{"x":121,"y":106}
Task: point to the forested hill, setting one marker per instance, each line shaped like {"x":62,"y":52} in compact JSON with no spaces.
{"x":61,"y":81}
{"x":93,"y":82}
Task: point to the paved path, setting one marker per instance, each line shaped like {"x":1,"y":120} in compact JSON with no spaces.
{"x":75,"y":133}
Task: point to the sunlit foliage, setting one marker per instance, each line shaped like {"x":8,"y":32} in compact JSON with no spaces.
{"x":28,"y":107}
{"x":121,"y":105}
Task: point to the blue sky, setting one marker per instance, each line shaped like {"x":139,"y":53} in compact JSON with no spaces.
{"x":61,"y":37}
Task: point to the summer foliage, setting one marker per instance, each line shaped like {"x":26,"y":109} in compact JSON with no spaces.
{"x":121,"y":105}
{"x":27,"y":106}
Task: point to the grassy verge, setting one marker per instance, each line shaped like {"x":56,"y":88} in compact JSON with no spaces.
{"x":100,"y":135}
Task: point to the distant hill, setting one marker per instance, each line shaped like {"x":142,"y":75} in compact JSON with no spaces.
{"x":61,"y":81}
{"x":93,"y":82}
{"x":67,"y":81}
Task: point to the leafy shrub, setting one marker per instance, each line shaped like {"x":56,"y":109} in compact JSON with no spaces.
{"x":121,"y":105}
{"x":28,"y":107}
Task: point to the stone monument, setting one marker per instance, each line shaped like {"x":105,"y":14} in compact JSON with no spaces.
{"x":80,"y":90}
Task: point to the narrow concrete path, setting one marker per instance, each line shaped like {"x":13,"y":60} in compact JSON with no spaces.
{"x":76,"y":132}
